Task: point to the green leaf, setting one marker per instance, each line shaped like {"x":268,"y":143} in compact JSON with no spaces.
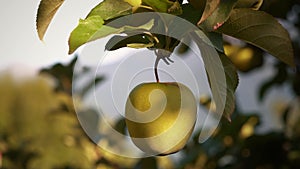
{"x":92,"y":29}
{"x":134,"y":3}
{"x":109,"y":9}
{"x":216,"y":39}
{"x":213,"y":39}
{"x":85,"y":30}
{"x":184,"y":45}
{"x":45,"y":14}
{"x":158,"y":5}
{"x":253,"y":4}
{"x":204,"y":37}
{"x":232,"y":81}
{"x":140,"y":45}
{"x":210,"y":7}
{"x":165,"y":6}
{"x":262,"y":30}
{"x":214,"y":68}
{"x":215,"y":72}
{"x":175,"y":9}
{"x":135,"y":41}
{"x":190,"y":13}
{"x":218,"y":17}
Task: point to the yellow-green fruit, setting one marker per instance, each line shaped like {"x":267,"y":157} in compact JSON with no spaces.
{"x":160,"y":117}
{"x":245,"y":58}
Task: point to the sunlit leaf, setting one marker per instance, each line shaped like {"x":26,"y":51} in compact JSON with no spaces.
{"x":109,"y":9}
{"x":219,"y":16}
{"x":165,"y":6}
{"x":262,"y":30}
{"x":46,"y":12}
{"x":134,"y":2}
{"x":92,"y":29}
{"x":140,"y":45}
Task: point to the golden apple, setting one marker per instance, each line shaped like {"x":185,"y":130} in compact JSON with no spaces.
{"x":160,"y":117}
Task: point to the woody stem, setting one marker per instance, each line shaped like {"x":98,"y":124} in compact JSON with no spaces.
{"x":155,"y":68}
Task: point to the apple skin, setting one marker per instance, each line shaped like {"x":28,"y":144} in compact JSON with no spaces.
{"x":160,"y":117}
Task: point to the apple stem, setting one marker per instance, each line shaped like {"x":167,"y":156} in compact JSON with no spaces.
{"x":155,"y":69}
{"x":165,"y":56}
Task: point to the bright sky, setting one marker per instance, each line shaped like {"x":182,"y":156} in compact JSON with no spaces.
{"x":20,"y":45}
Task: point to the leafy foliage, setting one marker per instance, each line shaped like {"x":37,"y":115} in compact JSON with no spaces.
{"x":262,"y":30}
{"x":231,"y":82}
{"x":232,"y":147}
{"x":253,"y":4}
{"x":110,"y":9}
{"x":208,"y":8}
{"x":218,"y":17}
{"x":230,"y":17}
{"x":165,"y":6}
{"x":39,"y":127}
{"x":237,"y":18}
{"x":92,"y":28}
{"x":135,"y":41}
{"x":213,"y":69}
